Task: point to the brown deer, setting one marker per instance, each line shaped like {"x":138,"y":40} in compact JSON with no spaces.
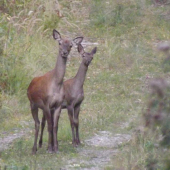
{"x":74,"y":95}
{"x":47,"y":93}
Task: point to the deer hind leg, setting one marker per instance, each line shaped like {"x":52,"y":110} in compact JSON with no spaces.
{"x":76,"y":123}
{"x":70,"y":114}
{"x":34,"y":111}
{"x":42,"y":129}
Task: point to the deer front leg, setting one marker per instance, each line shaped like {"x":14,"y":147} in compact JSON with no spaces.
{"x":42,"y":129}
{"x":34,"y":111}
{"x":50,"y":130}
{"x":55,"y":128}
{"x":70,"y":114}
{"x":76,"y":123}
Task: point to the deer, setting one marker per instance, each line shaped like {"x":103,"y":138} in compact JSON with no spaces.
{"x":74,"y":95}
{"x":47,"y":93}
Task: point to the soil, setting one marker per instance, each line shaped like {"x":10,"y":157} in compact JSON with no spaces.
{"x":98,"y":151}
{"x":8,"y":139}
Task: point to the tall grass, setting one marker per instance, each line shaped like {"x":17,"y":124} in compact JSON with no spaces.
{"x":23,"y":28}
{"x":116,"y":85}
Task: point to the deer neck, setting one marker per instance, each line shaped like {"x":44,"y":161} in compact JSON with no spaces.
{"x":81,"y":75}
{"x":59,"y":70}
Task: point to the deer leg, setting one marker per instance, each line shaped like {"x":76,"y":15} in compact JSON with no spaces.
{"x":52,"y":121}
{"x":50,"y":129}
{"x":42,"y":129}
{"x":34,"y":111}
{"x":70,"y":114}
{"x":76,"y":123}
{"x":56,"y":117}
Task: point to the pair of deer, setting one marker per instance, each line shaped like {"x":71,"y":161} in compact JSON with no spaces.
{"x":50,"y":94}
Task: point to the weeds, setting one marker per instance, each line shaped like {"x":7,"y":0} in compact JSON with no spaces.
{"x":157,"y":117}
{"x":116,"y":85}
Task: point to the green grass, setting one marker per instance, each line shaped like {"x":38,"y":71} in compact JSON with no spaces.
{"x":116,"y":84}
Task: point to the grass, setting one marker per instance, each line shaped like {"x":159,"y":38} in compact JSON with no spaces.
{"x":116,"y":84}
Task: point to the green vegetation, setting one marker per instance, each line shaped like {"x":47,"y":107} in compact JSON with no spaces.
{"x":116,"y":88}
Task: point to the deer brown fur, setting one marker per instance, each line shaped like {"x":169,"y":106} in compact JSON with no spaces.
{"x":74,"y":95}
{"x":47,"y":93}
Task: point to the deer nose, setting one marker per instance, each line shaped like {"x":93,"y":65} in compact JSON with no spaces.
{"x":65,"y":52}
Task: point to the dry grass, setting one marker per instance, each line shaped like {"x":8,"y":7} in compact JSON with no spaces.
{"x":127,"y":34}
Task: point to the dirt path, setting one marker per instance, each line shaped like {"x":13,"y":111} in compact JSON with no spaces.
{"x":7,"y":140}
{"x":8,"y":137}
{"x":98,"y":151}
{"x":94,"y":155}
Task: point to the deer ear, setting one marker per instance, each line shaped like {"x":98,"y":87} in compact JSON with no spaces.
{"x":80,"y":49}
{"x":78,"y":40}
{"x":56,"y":35}
{"x":94,"y":50}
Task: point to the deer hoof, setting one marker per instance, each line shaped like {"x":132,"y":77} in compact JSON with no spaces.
{"x":55,"y":149}
{"x":49,"y":150}
{"x":40,"y":144}
{"x":78,"y":142}
{"x":74,"y":144}
{"x":34,"y":150}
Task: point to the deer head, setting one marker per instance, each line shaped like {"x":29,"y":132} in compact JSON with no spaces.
{"x":64,"y":44}
{"x":87,"y":57}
